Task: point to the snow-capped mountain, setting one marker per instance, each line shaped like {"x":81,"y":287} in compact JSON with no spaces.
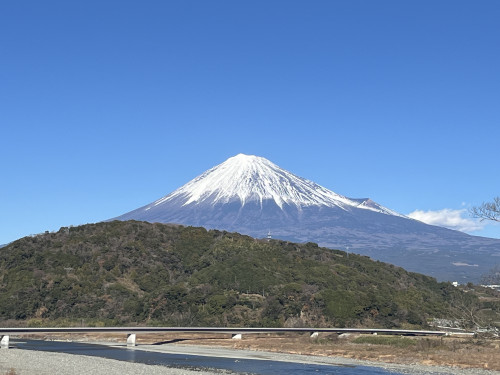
{"x":248,"y":178}
{"x":251,"y":195}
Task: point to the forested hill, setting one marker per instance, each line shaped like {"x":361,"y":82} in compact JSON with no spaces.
{"x":137,"y":272}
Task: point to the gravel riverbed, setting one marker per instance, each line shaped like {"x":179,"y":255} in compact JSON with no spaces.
{"x":27,"y":362}
{"x":30,"y":362}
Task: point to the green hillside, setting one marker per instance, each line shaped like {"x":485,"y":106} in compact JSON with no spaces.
{"x":141,"y":273}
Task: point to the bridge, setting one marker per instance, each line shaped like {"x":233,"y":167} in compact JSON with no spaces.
{"x":236,"y":332}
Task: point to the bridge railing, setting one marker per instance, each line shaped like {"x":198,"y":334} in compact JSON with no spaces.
{"x":236,"y":332}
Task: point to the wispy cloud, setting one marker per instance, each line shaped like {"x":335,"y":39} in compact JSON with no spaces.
{"x":449,"y":218}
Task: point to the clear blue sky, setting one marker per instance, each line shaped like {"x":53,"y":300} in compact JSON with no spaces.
{"x":108,"y":105}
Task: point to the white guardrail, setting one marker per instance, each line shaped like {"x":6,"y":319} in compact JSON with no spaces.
{"x":236,"y":332}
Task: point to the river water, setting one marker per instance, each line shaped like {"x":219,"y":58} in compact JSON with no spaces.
{"x":242,"y":366}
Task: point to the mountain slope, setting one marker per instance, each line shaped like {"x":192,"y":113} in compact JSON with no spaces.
{"x":251,"y":195}
{"x":137,"y":272}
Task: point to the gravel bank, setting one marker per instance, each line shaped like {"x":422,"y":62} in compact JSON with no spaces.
{"x":29,"y":362}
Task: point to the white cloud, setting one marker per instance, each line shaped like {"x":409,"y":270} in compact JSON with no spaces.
{"x":449,"y":218}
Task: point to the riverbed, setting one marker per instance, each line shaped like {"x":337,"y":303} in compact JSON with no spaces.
{"x":32,"y":357}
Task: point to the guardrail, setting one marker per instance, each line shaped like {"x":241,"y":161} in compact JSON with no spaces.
{"x":235,"y":331}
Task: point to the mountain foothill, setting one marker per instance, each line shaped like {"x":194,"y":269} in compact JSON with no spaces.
{"x":130,"y":272}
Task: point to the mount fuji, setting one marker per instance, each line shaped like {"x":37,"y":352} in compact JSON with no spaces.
{"x":251,"y":195}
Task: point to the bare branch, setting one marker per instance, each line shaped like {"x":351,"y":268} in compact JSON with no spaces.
{"x":487,"y":211}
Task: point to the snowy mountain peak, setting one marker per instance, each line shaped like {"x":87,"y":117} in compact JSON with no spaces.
{"x":249,"y":178}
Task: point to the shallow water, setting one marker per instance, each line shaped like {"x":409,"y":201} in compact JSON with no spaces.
{"x":253,"y":366}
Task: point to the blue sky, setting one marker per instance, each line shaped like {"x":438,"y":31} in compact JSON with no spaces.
{"x":108,"y":105}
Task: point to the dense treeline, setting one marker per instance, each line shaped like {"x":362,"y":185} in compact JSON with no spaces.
{"x":136,"y":272}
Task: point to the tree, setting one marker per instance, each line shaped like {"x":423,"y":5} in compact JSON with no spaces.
{"x":492,"y":277}
{"x":487,"y":211}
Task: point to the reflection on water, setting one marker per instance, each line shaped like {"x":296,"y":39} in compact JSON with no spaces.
{"x":252,"y":366}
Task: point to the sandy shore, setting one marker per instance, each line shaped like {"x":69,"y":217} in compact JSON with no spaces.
{"x":25,"y":362}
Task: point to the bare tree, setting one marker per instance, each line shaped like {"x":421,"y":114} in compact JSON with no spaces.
{"x":487,"y":211}
{"x":492,"y":277}
{"x":465,"y":310}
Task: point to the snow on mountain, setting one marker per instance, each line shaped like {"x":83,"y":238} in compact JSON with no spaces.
{"x":250,"y":178}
